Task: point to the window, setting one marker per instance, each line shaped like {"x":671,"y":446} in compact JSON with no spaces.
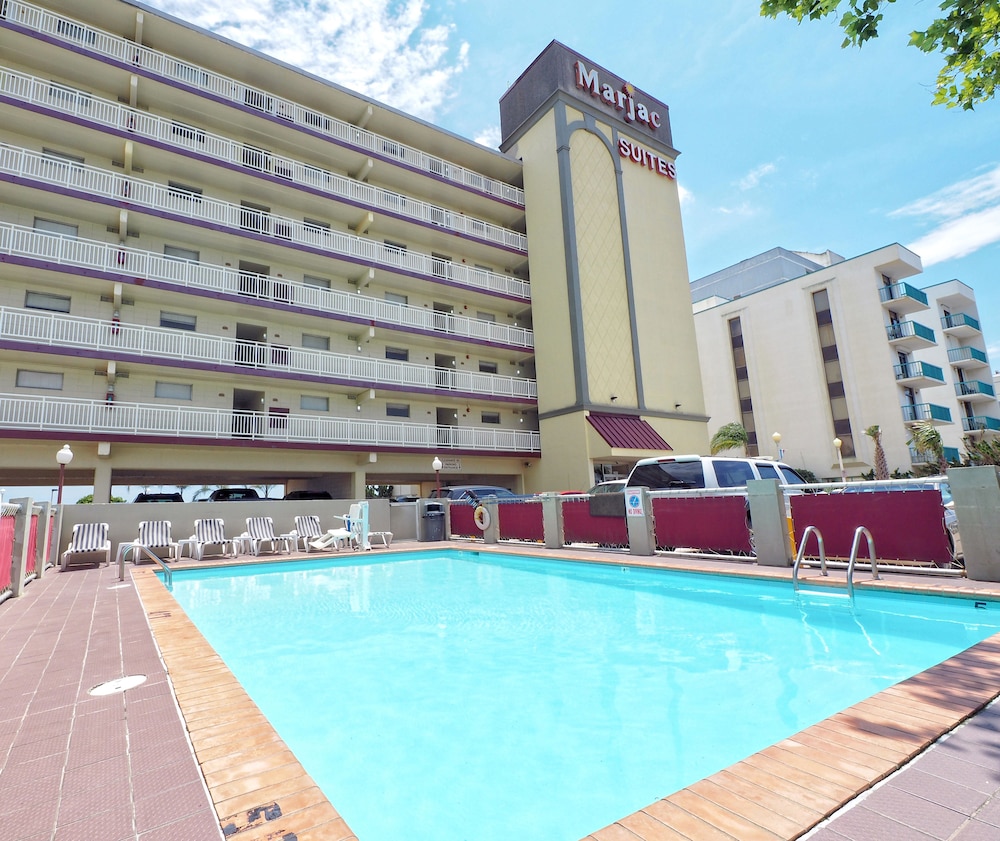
{"x":62,"y":156}
{"x":69,"y":29}
{"x":255,"y":217}
{"x":69,"y":98}
{"x":314,"y":342}
{"x":321,"y":282}
{"x":51,"y":227}
{"x":173,"y":391}
{"x":486,"y":316}
{"x":184,"y":191}
{"x":400,"y":354}
{"x":487,"y":367}
{"x":439,"y":264}
{"x":46,"y":301}
{"x":316,"y":223}
{"x":189,"y":73}
{"x":258,"y":159}
{"x":490,"y":417}
{"x":311,"y":403}
{"x":178,"y":320}
{"x":395,"y":246}
{"x":176,"y":253}
{"x":743,"y":383}
{"x":184,"y":133}
{"x":397,"y":410}
{"x":39,"y":379}
{"x":394,"y":298}
{"x":834,"y":375}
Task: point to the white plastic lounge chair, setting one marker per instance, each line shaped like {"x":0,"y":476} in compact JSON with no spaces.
{"x":260,"y":530}
{"x":211,"y":533}
{"x":310,"y":534}
{"x":336,"y":537}
{"x":361,"y":536}
{"x":154,"y":535}
{"x":89,"y":544}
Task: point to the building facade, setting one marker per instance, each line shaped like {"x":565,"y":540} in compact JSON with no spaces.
{"x":216,"y":268}
{"x":818,"y":348}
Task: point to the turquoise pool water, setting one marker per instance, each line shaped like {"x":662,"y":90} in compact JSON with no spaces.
{"x":477,"y":697}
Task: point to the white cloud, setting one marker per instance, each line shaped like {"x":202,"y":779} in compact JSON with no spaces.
{"x":966,"y":216}
{"x":752,"y":178}
{"x":489,"y":136}
{"x":685,"y":195}
{"x":380,"y":48}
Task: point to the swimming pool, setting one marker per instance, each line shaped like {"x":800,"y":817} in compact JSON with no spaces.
{"x":467,"y":695}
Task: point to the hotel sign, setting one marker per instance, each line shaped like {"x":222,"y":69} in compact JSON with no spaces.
{"x":637,"y":154}
{"x":621,"y":100}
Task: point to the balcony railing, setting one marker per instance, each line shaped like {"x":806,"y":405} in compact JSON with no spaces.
{"x":951,"y":455}
{"x":104,"y":112}
{"x":974,"y":388}
{"x":159,"y":346}
{"x":981,"y":423}
{"x":97,"y":417}
{"x":134,"y":55}
{"x":919,"y":370}
{"x":908,"y":330}
{"x":958,"y":320}
{"x":959,"y":355}
{"x":131,"y":263}
{"x":901,"y":290}
{"x":239,"y":218}
{"x":926,"y":412}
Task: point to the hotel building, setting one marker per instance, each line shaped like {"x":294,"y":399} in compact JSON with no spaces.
{"x":817,"y":347}
{"x":217,"y":268}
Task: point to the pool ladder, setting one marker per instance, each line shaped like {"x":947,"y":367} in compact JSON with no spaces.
{"x":858,"y":532}
{"x":123,"y":548}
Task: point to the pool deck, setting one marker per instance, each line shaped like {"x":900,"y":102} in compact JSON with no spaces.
{"x":188,"y":753}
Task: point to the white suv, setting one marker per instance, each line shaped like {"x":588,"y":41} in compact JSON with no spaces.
{"x":685,"y":472}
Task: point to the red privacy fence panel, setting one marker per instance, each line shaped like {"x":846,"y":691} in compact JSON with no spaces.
{"x":463,"y":520}
{"x":521,"y":521}
{"x":580,"y":526}
{"x":29,"y":568}
{"x":708,"y":523}
{"x":6,"y":551}
{"x":904,"y":525}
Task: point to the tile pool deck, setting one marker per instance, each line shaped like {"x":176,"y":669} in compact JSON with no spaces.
{"x":188,"y":752}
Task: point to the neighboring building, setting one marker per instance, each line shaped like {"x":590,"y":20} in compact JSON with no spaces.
{"x":216,"y":268}
{"x":818,"y":347}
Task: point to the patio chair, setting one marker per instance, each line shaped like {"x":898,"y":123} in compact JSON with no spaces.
{"x":310,"y":533}
{"x":361,"y":536}
{"x":335,"y":537}
{"x":211,"y":533}
{"x":260,"y":530}
{"x":154,"y":535}
{"x":89,"y":544}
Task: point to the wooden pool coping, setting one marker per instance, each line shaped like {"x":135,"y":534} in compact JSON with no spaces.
{"x":778,"y":793}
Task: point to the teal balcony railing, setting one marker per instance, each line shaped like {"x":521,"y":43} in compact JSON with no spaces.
{"x":981,"y":423}
{"x":951,"y":455}
{"x":909,"y":330}
{"x":926,"y":412}
{"x":967,"y":354}
{"x":959,"y":319}
{"x":910,"y":370}
{"x":972,"y":388}
{"x":901,"y":290}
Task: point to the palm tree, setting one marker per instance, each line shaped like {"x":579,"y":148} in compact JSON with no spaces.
{"x":881,"y":465}
{"x":730,"y":436}
{"x":926,"y":439}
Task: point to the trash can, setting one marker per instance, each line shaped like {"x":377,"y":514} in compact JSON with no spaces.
{"x":433,"y":522}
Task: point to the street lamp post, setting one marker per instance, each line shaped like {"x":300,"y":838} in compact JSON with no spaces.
{"x":837,"y":443}
{"x":777,"y":443}
{"x":436,"y":466}
{"x":64,"y":457}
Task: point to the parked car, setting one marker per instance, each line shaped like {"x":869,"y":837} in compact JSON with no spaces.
{"x":473,"y":493}
{"x":308,"y":495}
{"x":233,"y":495}
{"x":158,"y":497}
{"x":612,"y":486}
{"x":692,"y":471}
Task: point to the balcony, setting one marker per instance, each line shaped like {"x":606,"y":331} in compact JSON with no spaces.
{"x":180,"y":137}
{"x":51,"y":251}
{"x":926,"y":412}
{"x":902,"y":298}
{"x":975,"y":390}
{"x":967,"y":357}
{"x":137,"y":58}
{"x":183,"y":206}
{"x":909,"y":335}
{"x":918,"y":374}
{"x":951,"y":455}
{"x":981,"y":423}
{"x":960,"y":325}
{"x":160,"y":346}
{"x":118,"y":420}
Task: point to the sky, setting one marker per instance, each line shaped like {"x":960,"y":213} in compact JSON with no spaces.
{"x":786,"y":139}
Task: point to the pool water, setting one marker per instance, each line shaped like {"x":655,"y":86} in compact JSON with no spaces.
{"x":461,"y":696}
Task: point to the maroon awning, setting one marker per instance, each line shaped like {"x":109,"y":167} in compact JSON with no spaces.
{"x":627,"y":432}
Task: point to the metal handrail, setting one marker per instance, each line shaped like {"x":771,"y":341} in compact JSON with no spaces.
{"x":854,"y":556}
{"x":120,"y":560}
{"x":802,"y":551}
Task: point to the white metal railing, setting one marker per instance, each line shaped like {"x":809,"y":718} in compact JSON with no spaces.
{"x":115,"y":115}
{"x":135,"y":55}
{"x":159,"y":344}
{"x":79,"y":416}
{"x":132,"y":263}
{"x":92,"y":180}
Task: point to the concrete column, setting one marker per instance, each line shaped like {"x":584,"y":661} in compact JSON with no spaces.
{"x":102,"y":481}
{"x":492,"y":533}
{"x":358,"y":483}
{"x":639,"y":520}
{"x":552,"y":521}
{"x":770,"y":523}
{"x":43,"y":548}
{"x":22,"y":534}
{"x":976,"y":491}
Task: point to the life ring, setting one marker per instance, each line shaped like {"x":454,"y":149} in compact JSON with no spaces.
{"x":482,"y":517}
